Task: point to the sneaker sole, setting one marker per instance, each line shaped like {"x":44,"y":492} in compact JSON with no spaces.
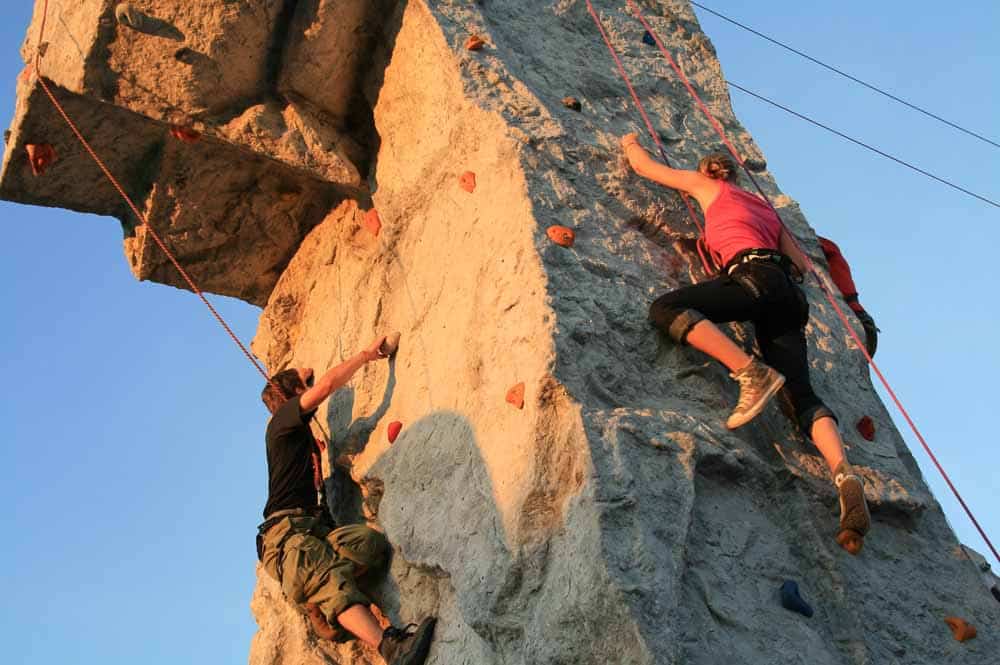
{"x":855,"y":518}
{"x":421,"y":643}
{"x":735,"y":422}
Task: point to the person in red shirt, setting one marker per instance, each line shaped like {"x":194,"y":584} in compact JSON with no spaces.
{"x":756,"y":284}
{"x":840,"y":273}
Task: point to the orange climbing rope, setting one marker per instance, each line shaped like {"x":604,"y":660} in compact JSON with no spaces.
{"x":128,"y":200}
{"x":809,"y":264}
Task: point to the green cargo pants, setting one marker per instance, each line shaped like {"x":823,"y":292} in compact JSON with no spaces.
{"x":315,"y":564}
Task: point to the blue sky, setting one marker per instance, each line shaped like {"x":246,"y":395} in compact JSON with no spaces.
{"x":134,"y":475}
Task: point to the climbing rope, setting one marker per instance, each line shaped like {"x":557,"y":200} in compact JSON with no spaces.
{"x":649,"y":126}
{"x":121,"y":190}
{"x":810,"y":267}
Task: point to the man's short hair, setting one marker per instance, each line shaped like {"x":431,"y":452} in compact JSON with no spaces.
{"x":282,"y":387}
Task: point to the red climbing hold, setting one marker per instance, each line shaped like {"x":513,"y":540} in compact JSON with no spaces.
{"x":474,"y":43}
{"x":40,"y":156}
{"x":961,"y":629}
{"x":185,"y":134}
{"x":562,"y":236}
{"x":468,"y":181}
{"x":373,"y":222}
{"x":515,"y":396}
{"x":394,"y":428}
{"x":866,"y":428}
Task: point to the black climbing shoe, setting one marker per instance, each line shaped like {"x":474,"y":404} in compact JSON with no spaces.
{"x":401,"y":647}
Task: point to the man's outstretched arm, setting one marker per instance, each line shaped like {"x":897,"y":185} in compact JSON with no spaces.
{"x":338,"y":376}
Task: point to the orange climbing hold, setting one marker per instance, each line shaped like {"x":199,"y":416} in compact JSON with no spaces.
{"x":394,"y":428}
{"x":572,"y":103}
{"x":561,"y":235}
{"x":866,"y":428}
{"x":515,"y":396}
{"x":960,"y":628}
{"x":373,"y":222}
{"x":185,"y":134}
{"x":468,"y":181}
{"x":41,"y":156}
{"x":474,"y":43}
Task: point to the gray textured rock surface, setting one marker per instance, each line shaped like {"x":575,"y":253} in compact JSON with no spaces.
{"x":614,"y":519}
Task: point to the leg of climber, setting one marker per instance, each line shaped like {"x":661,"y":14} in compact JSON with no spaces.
{"x":688,"y":315}
{"x":786,"y":351}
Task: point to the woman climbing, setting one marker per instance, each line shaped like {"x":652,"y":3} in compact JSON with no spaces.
{"x":747,"y":237}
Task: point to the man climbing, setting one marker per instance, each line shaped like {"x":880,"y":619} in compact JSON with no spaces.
{"x":317,"y":565}
{"x":756,"y":284}
{"x":840,"y":272}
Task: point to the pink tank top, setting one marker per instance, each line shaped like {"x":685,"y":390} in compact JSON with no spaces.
{"x":737,"y":220}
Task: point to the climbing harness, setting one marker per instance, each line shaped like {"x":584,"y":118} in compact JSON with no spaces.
{"x":827,"y":292}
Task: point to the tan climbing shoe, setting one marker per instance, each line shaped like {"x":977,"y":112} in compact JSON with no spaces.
{"x":320,"y":625}
{"x":855,"y":520}
{"x":389,"y":345}
{"x":758,"y":384}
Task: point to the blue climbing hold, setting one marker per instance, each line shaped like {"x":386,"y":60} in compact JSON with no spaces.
{"x":791,"y":600}
{"x":648,"y":39}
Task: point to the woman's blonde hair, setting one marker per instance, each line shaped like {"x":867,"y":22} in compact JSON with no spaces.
{"x":718,"y":166}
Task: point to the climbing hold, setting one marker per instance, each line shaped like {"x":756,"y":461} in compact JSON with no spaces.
{"x":561,"y":235}
{"x":185,"y":134}
{"x":128,"y":15}
{"x":468,"y":181}
{"x":572,"y":103}
{"x":389,"y":345}
{"x":373,"y":222}
{"x":647,"y":38}
{"x":961,"y":629}
{"x":474,"y":43}
{"x":320,"y":625}
{"x":515,"y":396}
{"x":393,"y":430}
{"x":866,"y":428}
{"x":792,"y":600}
{"x":40,"y":156}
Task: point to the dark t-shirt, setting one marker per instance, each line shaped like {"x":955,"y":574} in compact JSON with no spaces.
{"x":289,"y":459}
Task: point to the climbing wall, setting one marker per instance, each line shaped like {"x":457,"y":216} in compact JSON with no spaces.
{"x":609,"y":517}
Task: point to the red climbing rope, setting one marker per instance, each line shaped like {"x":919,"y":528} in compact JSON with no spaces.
{"x":128,"y":200}
{"x":649,"y":125}
{"x":812,"y":268}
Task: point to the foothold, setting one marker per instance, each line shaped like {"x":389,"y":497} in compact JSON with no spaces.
{"x":561,"y":235}
{"x":128,"y":15}
{"x":474,"y":43}
{"x":393,"y":430}
{"x":40,"y":156}
{"x":185,"y":134}
{"x":515,"y":396}
{"x":572,"y":103}
{"x":390,"y":345}
{"x":467,"y":181}
{"x":647,"y":38}
{"x":373,"y":222}
{"x":866,"y":428}
{"x":961,"y":629}
{"x":792,"y":600}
